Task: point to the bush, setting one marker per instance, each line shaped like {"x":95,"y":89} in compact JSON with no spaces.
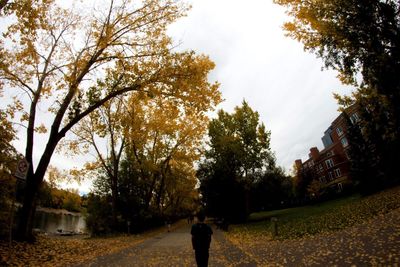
{"x":6,"y":195}
{"x":99,"y":215}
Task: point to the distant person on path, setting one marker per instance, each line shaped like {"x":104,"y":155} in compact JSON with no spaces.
{"x":201,"y":239}
{"x":190,"y":219}
{"x":168,"y":224}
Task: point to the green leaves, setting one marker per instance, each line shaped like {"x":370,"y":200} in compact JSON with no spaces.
{"x":241,"y":136}
{"x":239,"y":151}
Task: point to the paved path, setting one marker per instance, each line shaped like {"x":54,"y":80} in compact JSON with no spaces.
{"x":373,"y":243}
{"x":175,"y":249}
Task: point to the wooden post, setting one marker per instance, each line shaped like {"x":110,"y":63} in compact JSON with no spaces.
{"x":274,"y":222}
{"x":12,"y":218}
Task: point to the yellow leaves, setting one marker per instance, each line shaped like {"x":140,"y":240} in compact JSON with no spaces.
{"x":343,"y":101}
{"x":54,"y":176}
{"x":297,"y":225}
{"x":73,"y":146}
{"x":90,"y":166}
{"x":369,"y":239}
{"x":131,"y":38}
{"x":41,"y":129}
{"x":76,"y":173}
{"x":57,"y":251}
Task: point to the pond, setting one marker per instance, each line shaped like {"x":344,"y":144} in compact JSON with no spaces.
{"x":55,"y":220}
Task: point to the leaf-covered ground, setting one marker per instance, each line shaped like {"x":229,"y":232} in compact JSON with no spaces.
{"x":365,"y":232}
{"x":64,"y":251}
{"x":373,"y":243}
{"x":174,"y":249}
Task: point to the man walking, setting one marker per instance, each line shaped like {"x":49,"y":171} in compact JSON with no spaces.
{"x":201,"y":239}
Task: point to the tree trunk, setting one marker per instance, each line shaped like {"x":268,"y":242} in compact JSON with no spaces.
{"x":114,"y":193}
{"x":160,"y":193}
{"x":247,"y":204}
{"x":33,"y":182}
{"x":25,"y":222}
{"x":149,"y":194}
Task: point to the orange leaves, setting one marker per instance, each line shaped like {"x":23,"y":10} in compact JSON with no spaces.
{"x":62,"y":252}
{"x":69,"y":251}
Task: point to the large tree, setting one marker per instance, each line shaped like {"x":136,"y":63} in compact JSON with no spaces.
{"x":70,"y":61}
{"x":102,"y":132}
{"x":354,"y":37}
{"x":361,"y":40}
{"x":239,"y":151}
{"x":156,"y":137}
{"x":363,"y":167}
{"x":163,"y":142}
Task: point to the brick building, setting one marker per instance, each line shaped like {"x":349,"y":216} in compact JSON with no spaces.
{"x":331,"y":166}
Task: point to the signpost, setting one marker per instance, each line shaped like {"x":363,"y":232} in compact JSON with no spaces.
{"x":22,"y":169}
{"x":20,"y":173}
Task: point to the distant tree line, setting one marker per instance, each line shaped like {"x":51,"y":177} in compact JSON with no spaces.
{"x":56,"y":198}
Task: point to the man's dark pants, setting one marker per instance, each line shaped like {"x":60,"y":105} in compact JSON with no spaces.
{"x":201,"y":257}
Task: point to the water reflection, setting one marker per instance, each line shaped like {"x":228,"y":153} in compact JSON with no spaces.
{"x":53,"y":220}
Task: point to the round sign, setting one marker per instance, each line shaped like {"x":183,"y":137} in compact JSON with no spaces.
{"x":22,"y":166}
{"x":22,"y":169}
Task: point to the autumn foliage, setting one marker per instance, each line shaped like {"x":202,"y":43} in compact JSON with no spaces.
{"x":360,"y":40}
{"x":68,"y":62}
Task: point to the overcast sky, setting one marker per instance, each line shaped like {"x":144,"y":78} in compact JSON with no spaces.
{"x":256,"y":62}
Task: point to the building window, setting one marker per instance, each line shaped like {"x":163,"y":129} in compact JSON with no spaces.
{"x":330,"y":153}
{"x":337,"y":172}
{"x":317,"y":169}
{"x":339,"y":131}
{"x":347,"y":154}
{"x":330,"y":176}
{"x":340,"y":187}
{"x":354,"y":118}
{"x":321,"y":168}
{"x":322,"y":179}
{"x":329,"y":163}
{"x":344,"y":142}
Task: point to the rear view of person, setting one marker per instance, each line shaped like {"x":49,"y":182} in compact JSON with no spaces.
{"x":201,"y":239}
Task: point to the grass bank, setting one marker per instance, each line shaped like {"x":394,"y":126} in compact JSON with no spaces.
{"x":325,"y":217}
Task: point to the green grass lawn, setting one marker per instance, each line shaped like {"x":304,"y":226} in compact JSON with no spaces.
{"x":303,"y":212}
{"x":325,"y":217}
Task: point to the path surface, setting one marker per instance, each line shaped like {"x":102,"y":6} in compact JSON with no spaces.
{"x":175,"y":249}
{"x":373,"y":243}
